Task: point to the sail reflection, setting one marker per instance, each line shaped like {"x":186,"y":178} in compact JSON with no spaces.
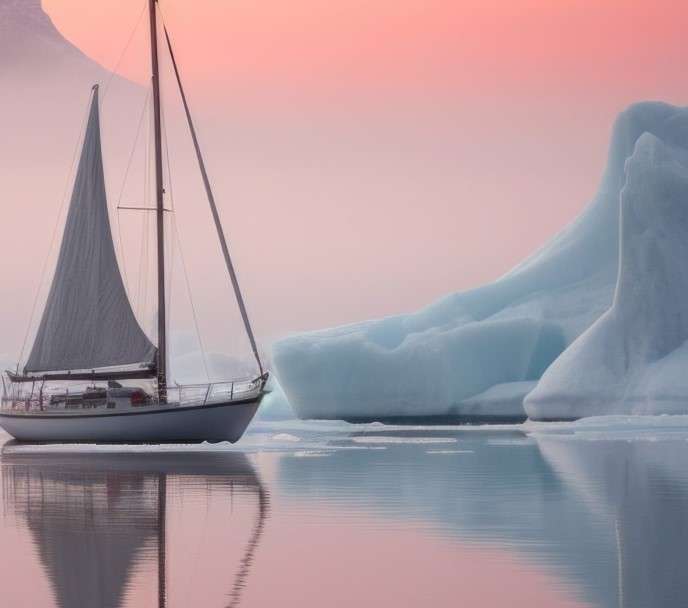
{"x":97,"y":519}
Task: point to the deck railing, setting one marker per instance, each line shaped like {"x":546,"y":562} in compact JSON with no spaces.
{"x":38,"y":397}
{"x":202,"y":394}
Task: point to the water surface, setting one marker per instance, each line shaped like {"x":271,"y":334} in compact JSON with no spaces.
{"x":311,"y":514}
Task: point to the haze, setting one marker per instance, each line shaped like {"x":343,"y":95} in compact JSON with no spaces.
{"x":369,"y":157}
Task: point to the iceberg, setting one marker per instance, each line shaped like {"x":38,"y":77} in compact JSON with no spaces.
{"x":275,"y":406}
{"x":439,"y":361}
{"x":499,"y":402}
{"x":632,"y":360}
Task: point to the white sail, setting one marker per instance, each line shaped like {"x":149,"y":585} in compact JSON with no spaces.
{"x":88,"y":322}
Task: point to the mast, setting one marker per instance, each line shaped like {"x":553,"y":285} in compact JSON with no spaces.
{"x":159,"y":209}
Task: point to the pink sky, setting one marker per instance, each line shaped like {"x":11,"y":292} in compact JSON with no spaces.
{"x":359,"y":50}
{"x":389,"y":152}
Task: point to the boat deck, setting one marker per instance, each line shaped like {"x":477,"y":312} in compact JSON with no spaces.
{"x":99,"y":401}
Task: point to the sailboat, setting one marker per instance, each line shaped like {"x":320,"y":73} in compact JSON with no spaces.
{"x":89,"y":333}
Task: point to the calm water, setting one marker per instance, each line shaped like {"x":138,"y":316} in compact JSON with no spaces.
{"x":315,"y":514}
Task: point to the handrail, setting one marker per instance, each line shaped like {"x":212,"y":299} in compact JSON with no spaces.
{"x":201,"y":394}
{"x":234,"y":381}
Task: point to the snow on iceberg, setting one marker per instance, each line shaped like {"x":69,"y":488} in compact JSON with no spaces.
{"x":431,"y":362}
{"x":633,"y":359}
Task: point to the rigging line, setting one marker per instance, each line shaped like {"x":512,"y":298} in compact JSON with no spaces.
{"x":167,"y":156}
{"x":70,"y":176}
{"x":121,"y":254}
{"x":191,"y":302}
{"x":173,"y":222}
{"x":213,"y":208}
{"x":106,"y":88}
{"x":171,"y":257}
{"x":113,"y":71}
{"x":143,"y":253}
{"x":124,"y":181}
{"x":146,"y":265}
{"x":147,"y":159}
{"x":142,"y":274}
{"x":169,"y":254}
{"x":170,"y":243}
{"x":235,"y":595}
{"x":141,"y":291}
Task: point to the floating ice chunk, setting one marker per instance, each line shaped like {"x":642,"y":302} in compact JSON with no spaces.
{"x":286,"y":437}
{"x":402,"y":440}
{"x":612,"y":425}
{"x":510,"y":441}
{"x":310,"y":454}
{"x":432,"y":362}
{"x":633,"y":360}
{"x":448,"y":452}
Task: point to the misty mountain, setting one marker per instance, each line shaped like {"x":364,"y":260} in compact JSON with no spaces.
{"x":28,"y":38}
{"x":46,"y":85}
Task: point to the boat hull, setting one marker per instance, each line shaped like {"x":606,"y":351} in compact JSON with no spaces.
{"x":222,"y":421}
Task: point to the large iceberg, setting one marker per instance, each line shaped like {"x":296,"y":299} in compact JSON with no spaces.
{"x":438,"y":361}
{"x":633,"y":358}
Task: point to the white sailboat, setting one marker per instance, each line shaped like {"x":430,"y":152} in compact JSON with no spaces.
{"x":89,"y":334}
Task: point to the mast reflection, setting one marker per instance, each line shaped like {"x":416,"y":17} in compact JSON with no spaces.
{"x":93,"y":517}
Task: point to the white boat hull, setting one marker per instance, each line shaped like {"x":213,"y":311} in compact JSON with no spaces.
{"x":219,"y":421}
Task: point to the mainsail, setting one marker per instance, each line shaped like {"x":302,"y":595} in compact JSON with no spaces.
{"x":88,"y":322}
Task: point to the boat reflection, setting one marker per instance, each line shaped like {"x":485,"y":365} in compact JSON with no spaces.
{"x":95,"y":518}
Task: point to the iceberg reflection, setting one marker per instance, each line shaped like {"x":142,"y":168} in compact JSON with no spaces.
{"x":639,"y":485}
{"x":608,"y":516}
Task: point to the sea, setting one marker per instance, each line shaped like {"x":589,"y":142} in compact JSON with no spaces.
{"x":329,"y":514}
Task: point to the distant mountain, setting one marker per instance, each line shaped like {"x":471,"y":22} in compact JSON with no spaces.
{"x":46,"y":82}
{"x":29,"y":39}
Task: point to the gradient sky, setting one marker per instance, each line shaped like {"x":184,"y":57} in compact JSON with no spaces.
{"x":393,"y":151}
{"x":363,"y":50}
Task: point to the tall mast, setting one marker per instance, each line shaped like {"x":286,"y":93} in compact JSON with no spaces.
{"x":159,"y":209}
